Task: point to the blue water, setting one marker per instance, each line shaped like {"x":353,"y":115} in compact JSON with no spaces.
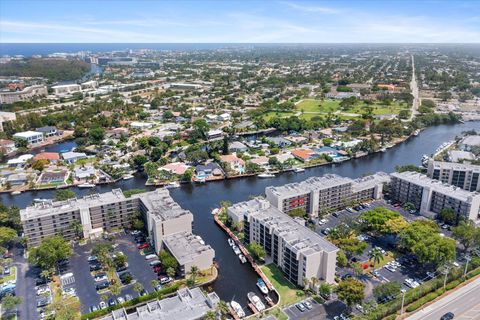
{"x":28,"y":49}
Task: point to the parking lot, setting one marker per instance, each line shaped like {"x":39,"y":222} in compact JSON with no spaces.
{"x":327,"y":310}
{"x":84,"y":283}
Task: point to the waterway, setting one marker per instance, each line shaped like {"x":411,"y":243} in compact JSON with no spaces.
{"x":236,"y":280}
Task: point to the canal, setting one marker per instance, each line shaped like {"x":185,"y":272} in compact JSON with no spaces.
{"x":236,"y":280}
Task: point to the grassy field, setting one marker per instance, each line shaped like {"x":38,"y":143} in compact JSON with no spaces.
{"x":288,"y":292}
{"x":312,"y":105}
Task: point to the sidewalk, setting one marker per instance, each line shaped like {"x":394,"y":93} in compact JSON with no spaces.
{"x":456,"y":302}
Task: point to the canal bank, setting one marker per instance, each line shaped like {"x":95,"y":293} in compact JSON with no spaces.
{"x":235,"y":280}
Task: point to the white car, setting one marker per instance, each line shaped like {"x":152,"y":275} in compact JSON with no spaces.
{"x":322,"y":222}
{"x":150,"y":256}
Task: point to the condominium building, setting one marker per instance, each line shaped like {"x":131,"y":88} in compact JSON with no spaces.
{"x":430,"y":196}
{"x":27,"y":93}
{"x":187,"y":304}
{"x":169,"y":226}
{"x":462,"y":175}
{"x":326,"y":193}
{"x":298,"y":251}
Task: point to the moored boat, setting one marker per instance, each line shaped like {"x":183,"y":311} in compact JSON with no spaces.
{"x":266,"y":175}
{"x":236,"y":250}
{"x":15,"y":192}
{"x":262,"y":286}
{"x":127,"y":176}
{"x":237,"y":308}
{"x":255,"y":300}
{"x":86,"y":185}
{"x":242,"y":258}
{"x":172,"y":185}
{"x":216,"y":211}
{"x":298,"y":170}
{"x":231,"y":242}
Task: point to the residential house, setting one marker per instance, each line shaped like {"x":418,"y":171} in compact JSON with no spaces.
{"x":31,"y":137}
{"x":280,"y":142}
{"x":177,"y":168}
{"x":17,"y":179}
{"x":81,"y":173}
{"x":236,"y":164}
{"x":237,"y":146}
{"x":71,"y":156}
{"x":208,"y":171}
{"x":48,"y":131}
{"x":54,"y":177}
{"x":19,"y":161}
{"x":305,"y":155}
{"x":7,"y":146}
{"x":51,"y":157}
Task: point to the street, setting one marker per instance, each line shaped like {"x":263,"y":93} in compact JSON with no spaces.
{"x":463,"y":303}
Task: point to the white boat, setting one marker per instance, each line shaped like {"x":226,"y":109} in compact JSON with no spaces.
{"x":16,"y":192}
{"x":216,"y":211}
{"x":237,"y":308}
{"x":231,"y":242}
{"x":266,"y":175}
{"x":172,"y":185}
{"x":262,"y":286}
{"x":236,"y":250}
{"x":298,"y":170}
{"x":416,"y":132}
{"x":242,"y":258}
{"x":256,"y":301}
{"x":127,"y":176}
{"x":86,"y":185}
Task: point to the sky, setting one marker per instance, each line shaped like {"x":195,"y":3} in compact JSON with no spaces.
{"x":247,"y":21}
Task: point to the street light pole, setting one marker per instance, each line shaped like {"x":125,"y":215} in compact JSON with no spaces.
{"x":403,"y":302}
{"x":445,"y":271}
{"x":467,"y":258}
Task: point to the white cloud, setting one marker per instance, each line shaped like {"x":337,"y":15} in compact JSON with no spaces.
{"x":310,"y":9}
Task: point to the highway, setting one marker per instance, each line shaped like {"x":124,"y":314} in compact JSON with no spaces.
{"x":464,"y":303}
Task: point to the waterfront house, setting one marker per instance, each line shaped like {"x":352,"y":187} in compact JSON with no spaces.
{"x":177,"y":168}
{"x":81,"y":173}
{"x":31,"y":137}
{"x":71,"y":156}
{"x":17,"y":179}
{"x":208,"y":171}
{"x":54,"y":177}
{"x":19,"y":161}
{"x":48,"y":131}
{"x":236,"y":164}
{"x":51,"y":157}
{"x":280,"y":142}
{"x":305,"y":155}
{"x":261,"y":161}
{"x":140,"y":125}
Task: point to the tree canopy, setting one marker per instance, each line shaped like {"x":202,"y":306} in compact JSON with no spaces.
{"x":51,"y":250}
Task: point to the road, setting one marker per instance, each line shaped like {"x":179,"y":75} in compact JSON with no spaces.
{"x":464,"y":303}
{"x":415,"y":93}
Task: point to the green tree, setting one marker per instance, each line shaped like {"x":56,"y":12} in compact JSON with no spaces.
{"x":168,"y":261}
{"x":7,"y":235}
{"x":210,"y":315}
{"x":325,"y":290}
{"x":154,"y":283}
{"x":342,"y":260}
{"x":256,"y":250}
{"x":10,"y":303}
{"x":187,"y":175}
{"x":115,"y":289}
{"x":139,"y":160}
{"x":222,"y":309}
{"x":170,"y":272}
{"x":378,"y":220}
{"x":51,"y":250}
{"x":200,"y":128}
{"x":447,"y":215}
{"x":387,"y":289}
{"x":63,"y":194}
{"x":350,"y":291}
{"x":466,"y":233}
{"x":297,"y":212}
{"x":137,"y":287}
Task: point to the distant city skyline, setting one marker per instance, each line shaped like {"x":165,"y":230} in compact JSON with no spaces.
{"x":240,"y":21}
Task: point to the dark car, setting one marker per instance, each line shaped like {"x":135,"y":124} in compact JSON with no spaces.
{"x":112,"y":302}
{"x":42,"y":302}
{"x":95,"y":267}
{"x":121,"y":268}
{"x":102,"y":285}
{"x":447,"y":316}
{"x":40,"y":281}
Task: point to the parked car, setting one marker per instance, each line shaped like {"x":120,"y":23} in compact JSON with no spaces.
{"x":308,"y":305}
{"x":102,"y":305}
{"x":157,"y":269}
{"x":151,"y":256}
{"x":128,"y":297}
{"x":120,"y":300}
{"x":112,"y":302}
{"x":143,"y":245}
{"x":95,"y":267}
{"x":93,"y":308}
{"x":92,"y":258}
{"x":102,"y":285}
{"x":165,"y":280}
{"x":155,"y":263}
{"x":100,"y":277}
{"x":121,"y":268}
{"x":42,"y":302}
{"x":300,"y":307}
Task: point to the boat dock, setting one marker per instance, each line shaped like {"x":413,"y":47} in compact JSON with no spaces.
{"x":252,"y":307}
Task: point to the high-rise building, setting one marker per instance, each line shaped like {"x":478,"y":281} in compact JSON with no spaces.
{"x":462,"y":175}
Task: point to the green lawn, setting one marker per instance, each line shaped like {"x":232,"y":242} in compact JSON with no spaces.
{"x":312,"y":105}
{"x":288,"y":292}
{"x":13,"y":271}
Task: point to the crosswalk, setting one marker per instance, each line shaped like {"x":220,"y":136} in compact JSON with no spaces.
{"x":67,"y":280}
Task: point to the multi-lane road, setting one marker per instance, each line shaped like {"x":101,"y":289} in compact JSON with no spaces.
{"x":464,"y":303}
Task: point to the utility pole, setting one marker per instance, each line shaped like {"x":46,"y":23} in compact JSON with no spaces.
{"x":445,"y":272}
{"x":467,"y":258}
{"x":403,"y":302}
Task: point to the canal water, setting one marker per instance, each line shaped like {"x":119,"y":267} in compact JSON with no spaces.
{"x":236,"y":280}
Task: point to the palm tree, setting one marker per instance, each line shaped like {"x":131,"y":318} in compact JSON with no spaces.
{"x":194,"y":273}
{"x":115,"y":289}
{"x":314,"y":281}
{"x":154,"y":283}
{"x":210,"y":315}
{"x":222,"y":308}
{"x":306,"y":283}
{"x":376,"y":256}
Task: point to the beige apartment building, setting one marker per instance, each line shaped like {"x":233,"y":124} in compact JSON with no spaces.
{"x":462,"y":175}
{"x":326,"y":193}
{"x":298,"y":251}
{"x":169,"y":226}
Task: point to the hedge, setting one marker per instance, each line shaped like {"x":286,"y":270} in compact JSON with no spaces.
{"x":160,"y":294}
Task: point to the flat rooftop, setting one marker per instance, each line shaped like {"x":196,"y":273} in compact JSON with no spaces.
{"x":185,"y":246}
{"x":52,"y":207}
{"x":187,"y":304}
{"x":455,"y":166}
{"x":436,"y":185}
{"x":306,"y":186}
{"x":473,"y":140}
{"x":298,"y":236}
{"x":370,"y":181}
{"x":160,"y":204}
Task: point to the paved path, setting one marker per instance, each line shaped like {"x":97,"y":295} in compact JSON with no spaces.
{"x":415,"y":92}
{"x":464,"y":303}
